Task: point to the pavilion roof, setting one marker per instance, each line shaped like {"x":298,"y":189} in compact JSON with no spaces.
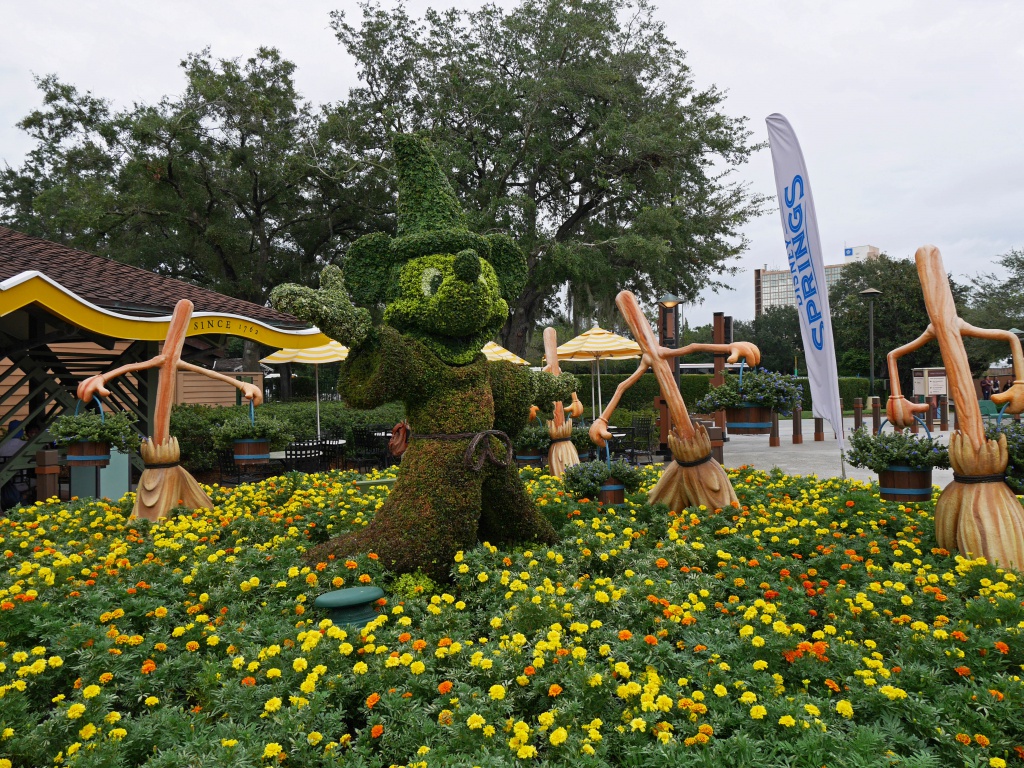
{"x":120,"y":287}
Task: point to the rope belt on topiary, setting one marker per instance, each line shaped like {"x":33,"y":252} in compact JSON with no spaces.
{"x":696,"y":463}
{"x":474,"y":442}
{"x":969,"y":479}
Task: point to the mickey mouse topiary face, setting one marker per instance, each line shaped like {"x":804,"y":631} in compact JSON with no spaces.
{"x":445,"y":286}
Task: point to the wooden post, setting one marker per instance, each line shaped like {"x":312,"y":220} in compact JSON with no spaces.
{"x":944,"y":413}
{"x":819,"y":430}
{"x":47,"y":475}
{"x":798,"y":427}
{"x":929,"y":417}
{"x":773,"y":436}
{"x":858,"y":412}
{"x":876,"y":415}
{"x":718,"y":379}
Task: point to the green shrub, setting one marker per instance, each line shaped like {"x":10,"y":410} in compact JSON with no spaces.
{"x":193,"y":426}
{"x":116,"y":428}
{"x":1014,"y":432}
{"x":412,"y":586}
{"x":533,"y":440}
{"x":768,"y":389}
{"x":899,"y":448}
{"x":239,"y":426}
{"x":584,"y":480}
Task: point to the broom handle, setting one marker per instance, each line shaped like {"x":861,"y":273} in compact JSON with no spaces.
{"x":626,"y":302}
{"x":551,"y":355}
{"x":947,"y":327}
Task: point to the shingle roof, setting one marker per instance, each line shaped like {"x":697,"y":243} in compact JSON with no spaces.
{"x":119,"y":287}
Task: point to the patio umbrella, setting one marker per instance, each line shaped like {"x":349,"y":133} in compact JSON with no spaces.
{"x":328,"y":353}
{"x":596,"y":345}
{"x":495,"y":352}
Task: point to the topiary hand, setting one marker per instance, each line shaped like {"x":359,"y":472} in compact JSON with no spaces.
{"x":330,"y":309}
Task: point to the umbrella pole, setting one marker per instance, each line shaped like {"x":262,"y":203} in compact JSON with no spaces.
{"x":600,"y":400}
{"x":594,"y":413}
{"x":316,"y":379}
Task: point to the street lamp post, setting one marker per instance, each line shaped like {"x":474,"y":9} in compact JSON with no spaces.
{"x":668,"y":327}
{"x":870,"y":294}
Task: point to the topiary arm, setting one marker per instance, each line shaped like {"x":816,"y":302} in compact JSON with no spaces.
{"x":330,"y":309}
{"x":512,"y":387}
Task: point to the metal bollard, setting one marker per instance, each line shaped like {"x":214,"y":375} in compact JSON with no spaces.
{"x":944,"y":413}
{"x":876,"y":415}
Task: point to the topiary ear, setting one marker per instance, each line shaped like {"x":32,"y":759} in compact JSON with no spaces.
{"x":509,"y":262}
{"x":369,"y":269}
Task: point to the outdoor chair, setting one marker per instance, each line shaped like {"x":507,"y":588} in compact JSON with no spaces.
{"x":304,"y":456}
{"x":641,"y":439}
{"x":989,"y":411}
{"x":367,"y":450}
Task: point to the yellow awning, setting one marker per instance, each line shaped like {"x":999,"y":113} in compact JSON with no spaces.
{"x":599,"y":344}
{"x":36,"y":288}
{"x":328,"y":353}
{"x":495,"y":352}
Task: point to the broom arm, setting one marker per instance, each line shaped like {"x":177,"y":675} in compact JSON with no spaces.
{"x":898,"y":410}
{"x":599,"y":429}
{"x":750,"y":353}
{"x":249,"y":391}
{"x":1014,"y":396}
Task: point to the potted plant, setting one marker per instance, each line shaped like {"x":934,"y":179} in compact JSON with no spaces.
{"x":748,"y":400}
{"x":605,"y":481}
{"x":903,"y":461}
{"x":581,"y":440}
{"x":250,"y":439}
{"x":531,"y":445}
{"x":90,"y":435}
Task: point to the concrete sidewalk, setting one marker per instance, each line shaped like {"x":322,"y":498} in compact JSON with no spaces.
{"x":809,"y":458}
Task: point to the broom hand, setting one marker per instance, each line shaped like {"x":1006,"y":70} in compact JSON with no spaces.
{"x":599,"y":432}
{"x":900,"y":411}
{"x":1013,"y":398}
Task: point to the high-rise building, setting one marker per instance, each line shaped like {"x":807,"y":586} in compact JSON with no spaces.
{"x":774,"y":287}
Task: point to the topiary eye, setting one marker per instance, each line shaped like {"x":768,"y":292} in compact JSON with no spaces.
{"x":431,"y":281}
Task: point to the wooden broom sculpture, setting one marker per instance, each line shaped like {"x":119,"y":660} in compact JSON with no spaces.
{"x":165,"y":483}
{"x":978,"y":513}
{"x":693,"y":477}
{"x":562,"y":452}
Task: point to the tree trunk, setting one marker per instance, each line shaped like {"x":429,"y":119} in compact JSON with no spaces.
{"x":250,"y":356}
{"x":285,"y":386}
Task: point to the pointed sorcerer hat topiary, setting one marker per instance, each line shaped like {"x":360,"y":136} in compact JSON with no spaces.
{"x":426,"y":200}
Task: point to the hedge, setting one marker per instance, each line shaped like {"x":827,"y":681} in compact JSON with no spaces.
{"x":693,"y":386}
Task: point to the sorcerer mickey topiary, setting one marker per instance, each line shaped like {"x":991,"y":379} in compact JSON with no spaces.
{"x":445,"y":292}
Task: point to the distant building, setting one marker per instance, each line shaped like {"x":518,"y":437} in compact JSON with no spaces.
{"x":774,"y":287}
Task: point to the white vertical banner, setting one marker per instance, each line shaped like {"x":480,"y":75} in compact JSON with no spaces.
{"x":807,"y":268}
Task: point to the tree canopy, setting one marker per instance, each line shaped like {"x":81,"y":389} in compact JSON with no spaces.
{"x":234,"y":184}
{"x":996,"y":303}
{"x":576,"y":127}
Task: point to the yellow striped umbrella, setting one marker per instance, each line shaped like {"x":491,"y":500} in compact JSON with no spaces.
{"x":331,"y":352}
{"x":495,"y":352}
{"x":597,"y":344}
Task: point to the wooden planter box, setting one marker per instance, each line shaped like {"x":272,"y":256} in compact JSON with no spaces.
{"x":89,"y":454}
{"x":905,"y":484}
{"x":249,"y":452}
{"x":749,"y":420}
{"x":612,"y":493}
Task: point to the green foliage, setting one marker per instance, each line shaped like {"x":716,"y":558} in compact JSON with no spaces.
{"x":550,"y":389}
{"x":577,"y":128}
{"x":900,"y":448}
{"x":777,"y":335}
{"x":694,"y":386}
{"x":584,"y":479}
{"x":995,"y":302}
{"x":772,"y":390}
{"x":532,"y":440}
{"x":193,"y":426}
{"x":116,"y":428}
{"x":414,"y":586}
{"x":1014,"y":432}
{"x":232,"y":182}
{"x":512,"y":387}
{"x":426,"y":201}
{"x":238,"y":426}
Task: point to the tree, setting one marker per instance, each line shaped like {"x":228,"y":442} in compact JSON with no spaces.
{"x":776,"y":332}
{"x":996,"y":302}
{"x":575,"y":126}
{"x":899,"y":312}
{"x":234,"y":185}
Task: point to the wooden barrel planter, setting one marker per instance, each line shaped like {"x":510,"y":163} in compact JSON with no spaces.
{"x":88,"y":454}
{"x":905,"y":484}
{"x":248,"y":452}
{"x":748,"y":419}
{"x":529,"y":460}
{"x":612,"y":493}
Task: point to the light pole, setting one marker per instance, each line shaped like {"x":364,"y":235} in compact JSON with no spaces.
{"x":668,"y":327}
{"x":870,"y":294}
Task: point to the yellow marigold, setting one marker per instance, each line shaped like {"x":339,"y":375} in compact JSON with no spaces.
{"x":526,"y":751}
{"x":558,"y":736}
{"x":273,"y":705}
{"x":844,"y":708}
{"x":75,"y":711}
{"x":757,"y":712}
{"x":152,"y":701}
{"x":748,"y":697}
{"x":91,"y":691}
{"x":273,"y":749}
{"x":497,"y":692}
{"x":475,"y":721}
{"x":787,"y":721}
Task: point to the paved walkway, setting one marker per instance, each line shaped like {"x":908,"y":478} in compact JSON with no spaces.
{"x":808,"y":458}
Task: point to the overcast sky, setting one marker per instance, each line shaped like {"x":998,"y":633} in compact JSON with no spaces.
{"x":909,"y":113}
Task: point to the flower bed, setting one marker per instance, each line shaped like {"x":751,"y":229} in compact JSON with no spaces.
{"x":813,"y":624}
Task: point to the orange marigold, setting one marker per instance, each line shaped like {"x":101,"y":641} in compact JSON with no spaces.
{"x":962,"y":671}
{"x":963,"y":738}
{"x":148,"y":666}
{"x":372,"y":699}
{"x":248,"y":681}
{"x":1002,"y":647}
{"x":554,"y":690}
{"x":651,"y":640}
{"x":625,"y":634}
{"x":444,"y":687}
{"x":981,"y":739}
{"x":377,"y":731}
